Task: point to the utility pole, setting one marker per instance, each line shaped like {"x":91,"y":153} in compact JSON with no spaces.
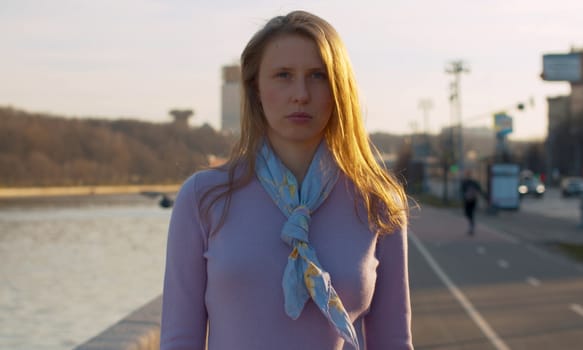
{"x":456,"y":68}
{"x":426,"y":105}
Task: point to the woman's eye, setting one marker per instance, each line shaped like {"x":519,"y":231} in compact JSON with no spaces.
{"x":284,"y":75}
{"x":319,"y":75}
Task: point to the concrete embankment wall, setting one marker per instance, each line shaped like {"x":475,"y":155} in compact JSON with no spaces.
{"x":138,"y":331}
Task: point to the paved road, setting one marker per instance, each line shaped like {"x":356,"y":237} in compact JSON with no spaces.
{"x":491,"y":291}
{"x":552,"y":204}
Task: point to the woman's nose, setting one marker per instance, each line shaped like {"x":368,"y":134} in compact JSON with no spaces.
{"x":301,"y":92}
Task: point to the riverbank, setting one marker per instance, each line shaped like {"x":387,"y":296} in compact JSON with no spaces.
{"x":82,"y":196}
{"x":21,"y":192}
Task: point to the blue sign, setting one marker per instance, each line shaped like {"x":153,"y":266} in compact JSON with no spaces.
{"x":502,"y":124}
{"x":563,"y":67}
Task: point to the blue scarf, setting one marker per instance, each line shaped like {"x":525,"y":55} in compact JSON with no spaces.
{"x":304,"y":277}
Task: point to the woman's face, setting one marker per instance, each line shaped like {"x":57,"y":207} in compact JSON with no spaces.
{"x":294,"y":91}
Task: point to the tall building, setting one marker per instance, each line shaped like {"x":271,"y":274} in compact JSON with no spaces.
{"x":558,"y":112}
{"x":231,"y":99}
{"x":577,"y":98}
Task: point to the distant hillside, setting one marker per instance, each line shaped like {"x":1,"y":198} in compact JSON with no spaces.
{"x":43,"y":150}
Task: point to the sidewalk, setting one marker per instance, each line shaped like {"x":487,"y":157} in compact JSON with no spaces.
{"x":528,"y":227}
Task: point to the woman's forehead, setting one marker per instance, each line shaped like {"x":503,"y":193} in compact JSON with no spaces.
{"x":290,"y":51}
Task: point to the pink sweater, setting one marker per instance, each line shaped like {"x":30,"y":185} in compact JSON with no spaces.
{"x":230,"y":281}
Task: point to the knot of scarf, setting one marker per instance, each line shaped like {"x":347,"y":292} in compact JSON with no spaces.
{"x":304,"y":277}
{"x":297,"y":225}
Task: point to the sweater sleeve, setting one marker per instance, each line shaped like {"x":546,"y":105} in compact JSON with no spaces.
{"x":388,"y":324}
{"x":184,"y":315}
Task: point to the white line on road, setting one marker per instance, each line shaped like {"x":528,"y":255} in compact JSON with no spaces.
{"x":461,"y":298}
{"x":503,"y":264}
{"x":505,"y":236}
{"x":533,"y":281}
{"x":576,"y":308}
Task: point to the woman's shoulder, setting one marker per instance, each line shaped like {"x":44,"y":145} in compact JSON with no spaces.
{"x":203,"y":180}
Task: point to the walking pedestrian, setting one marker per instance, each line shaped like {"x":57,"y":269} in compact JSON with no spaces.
{"x":470,"y":191}
{"x":299,"y":240}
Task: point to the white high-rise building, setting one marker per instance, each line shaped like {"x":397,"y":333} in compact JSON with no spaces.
{"x":231,"y":99}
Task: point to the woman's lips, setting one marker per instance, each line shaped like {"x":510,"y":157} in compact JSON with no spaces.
{"x":299,"y":117}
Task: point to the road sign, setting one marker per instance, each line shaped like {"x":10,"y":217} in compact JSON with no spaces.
{"x":502,"y":124}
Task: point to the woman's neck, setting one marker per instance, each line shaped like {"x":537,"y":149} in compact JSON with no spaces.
{"x":296,"y":156}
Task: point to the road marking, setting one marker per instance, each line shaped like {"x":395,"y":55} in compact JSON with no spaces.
{"x":503,"y":264}
{"x":461,"y":298}
{"x":481,"y":250}
{"x":533,"y":281}
{"x":576,"y":308}
{"x":506,"y":236}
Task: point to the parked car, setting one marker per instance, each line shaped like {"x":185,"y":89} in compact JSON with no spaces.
{"x":571,"y":186}
{"x":531,"y":186}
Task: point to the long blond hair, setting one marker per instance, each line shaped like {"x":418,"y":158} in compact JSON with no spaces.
{"x":383,"y":196}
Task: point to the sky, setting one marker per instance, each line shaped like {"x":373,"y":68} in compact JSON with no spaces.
{"x":141,"y":58}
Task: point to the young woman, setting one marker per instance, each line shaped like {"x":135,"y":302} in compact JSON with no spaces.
{"x":299,"y":241}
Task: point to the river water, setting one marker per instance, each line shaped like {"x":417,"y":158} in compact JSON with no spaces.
{"x":71,"y":267}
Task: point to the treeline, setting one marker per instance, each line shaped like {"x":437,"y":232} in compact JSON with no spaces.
{"x":44,"y":150}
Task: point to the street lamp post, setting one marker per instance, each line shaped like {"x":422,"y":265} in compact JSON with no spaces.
{"x":425,"y":105}
{"x":456,"y":68}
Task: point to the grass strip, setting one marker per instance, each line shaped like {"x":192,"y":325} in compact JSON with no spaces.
{"x":572,"y":249}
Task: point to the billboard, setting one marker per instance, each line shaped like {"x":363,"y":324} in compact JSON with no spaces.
{"x":563,"y":67}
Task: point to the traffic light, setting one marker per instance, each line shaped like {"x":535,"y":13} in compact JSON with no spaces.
{"x":520,"y":106}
